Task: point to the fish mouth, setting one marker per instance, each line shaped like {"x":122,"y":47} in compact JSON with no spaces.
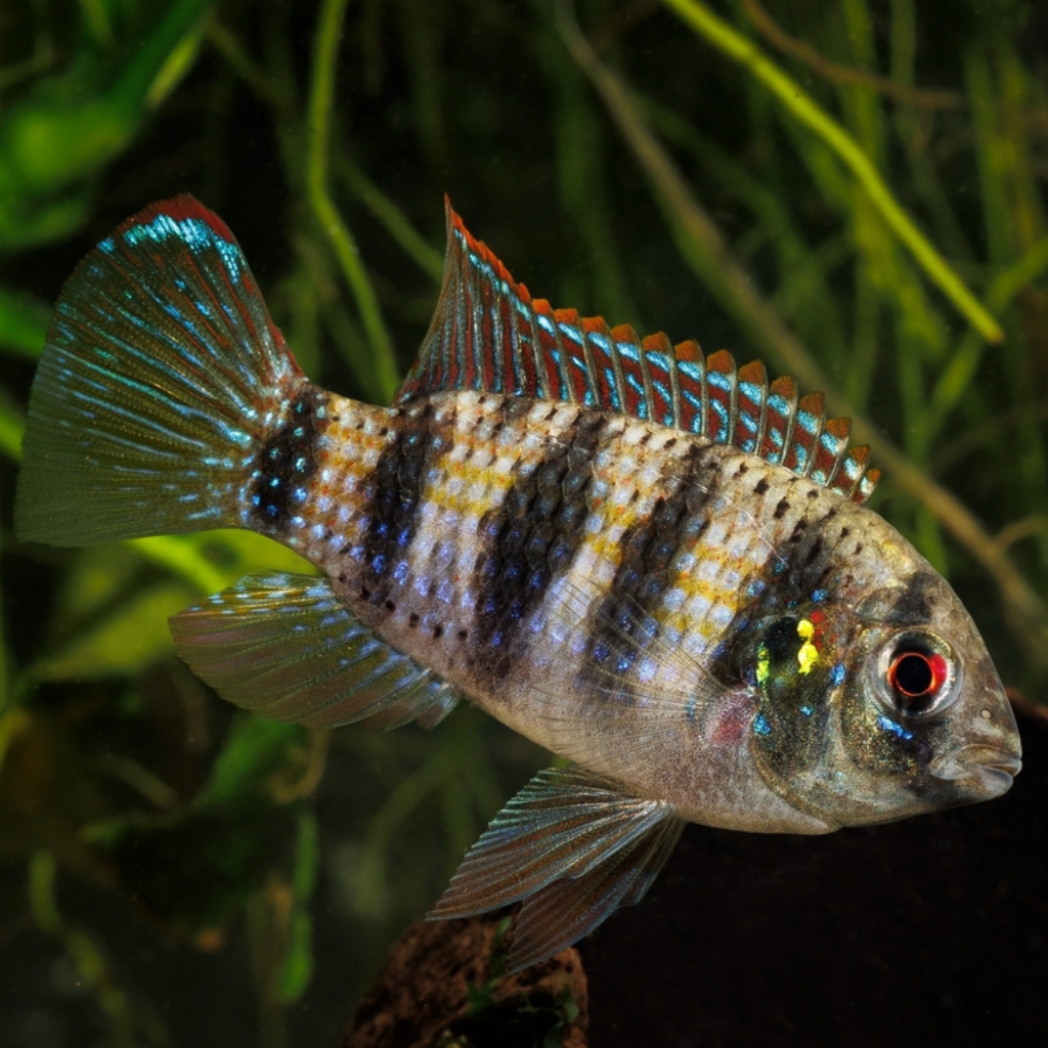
{"x":989,"y":769}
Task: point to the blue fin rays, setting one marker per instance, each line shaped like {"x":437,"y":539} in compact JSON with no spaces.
{"x":574,"y":847}
{"x":285,"y":647}
{"x":161,"y":372}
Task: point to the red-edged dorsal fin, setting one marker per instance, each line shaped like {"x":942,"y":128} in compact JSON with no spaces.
{"x":720,"y":392}
{"x":780,"y":413}
{"x":751,"y":397}
{"x":489,"y":335}
{"x":807,"y":426}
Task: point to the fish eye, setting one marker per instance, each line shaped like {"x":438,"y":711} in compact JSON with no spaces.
{"x":919,"y":674}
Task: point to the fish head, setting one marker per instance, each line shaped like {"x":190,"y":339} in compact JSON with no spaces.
{"x":886,"y":710}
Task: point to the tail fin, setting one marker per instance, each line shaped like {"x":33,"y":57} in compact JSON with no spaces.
{"x":161,"y":376}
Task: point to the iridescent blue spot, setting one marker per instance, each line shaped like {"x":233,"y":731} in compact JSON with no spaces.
{"x":690,"y":369}
{"x":818,"y":596}
{"x":641,"y":405}
{"x":664,"y":393}
{"x":721,"y":435}
{"x":571,"y":332}
{"x":837,"y":674}
{"x":760,"y":725}
{"x":807,"y":711}
{"x":888,"y":725}
{"x":699,"y":421}
{"x":657,"y":360}
{"x":807,"y":421}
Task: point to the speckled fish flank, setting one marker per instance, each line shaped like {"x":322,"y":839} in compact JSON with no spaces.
{"x":657,"y":564}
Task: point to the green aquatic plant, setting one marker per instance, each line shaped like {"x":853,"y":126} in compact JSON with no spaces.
{"x":853,"y":192}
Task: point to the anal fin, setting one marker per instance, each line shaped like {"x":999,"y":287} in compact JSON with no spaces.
{"x":575,"y":847}
{"x":285,"y":647}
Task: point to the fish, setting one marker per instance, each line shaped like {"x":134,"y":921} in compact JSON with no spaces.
{"x":656,"y":564}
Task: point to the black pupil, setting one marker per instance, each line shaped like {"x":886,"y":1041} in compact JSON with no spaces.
{"x":913,"y":675}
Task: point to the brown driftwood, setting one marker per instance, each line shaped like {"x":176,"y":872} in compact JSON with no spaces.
{"x":435,"y":990}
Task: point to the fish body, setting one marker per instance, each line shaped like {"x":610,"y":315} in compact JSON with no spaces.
{"x":657,"y":565}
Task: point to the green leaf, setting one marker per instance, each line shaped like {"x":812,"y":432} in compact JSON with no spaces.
{"x":23,"y":324}
{"x":297,"y":968}
{"x":256,"y":749}
{"x":128,"y":640}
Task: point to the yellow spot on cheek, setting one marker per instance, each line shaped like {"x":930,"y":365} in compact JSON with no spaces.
{"x":808,"y":654}
{"x":763,"y":664}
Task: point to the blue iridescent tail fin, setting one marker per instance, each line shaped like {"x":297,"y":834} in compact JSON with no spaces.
{"x":161,"y":376}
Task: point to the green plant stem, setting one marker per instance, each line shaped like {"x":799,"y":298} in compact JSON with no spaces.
{"x":395,"y":221}
{"x":12,"y":425}
{"x":704,"y":247}
{"x":804,"y":108}
{"x":959,"y":373}
{"x":378,"y":374}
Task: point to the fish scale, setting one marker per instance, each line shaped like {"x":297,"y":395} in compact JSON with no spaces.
{"x":653,"y":562}
{"x":429,"y":594}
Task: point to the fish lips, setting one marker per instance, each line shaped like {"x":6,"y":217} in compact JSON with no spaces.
{"x":985,"y":771}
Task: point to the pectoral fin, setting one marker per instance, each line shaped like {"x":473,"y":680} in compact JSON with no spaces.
{"x":574,"y":846}
{"x":285,"y":647}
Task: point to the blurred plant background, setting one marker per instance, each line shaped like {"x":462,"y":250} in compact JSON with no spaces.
{"x":853,"y":191}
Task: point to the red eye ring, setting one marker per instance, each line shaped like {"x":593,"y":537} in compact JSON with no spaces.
{"x":917,"y":674}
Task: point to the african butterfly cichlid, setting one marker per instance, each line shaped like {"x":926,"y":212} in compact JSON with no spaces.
{"x":656,"y":565}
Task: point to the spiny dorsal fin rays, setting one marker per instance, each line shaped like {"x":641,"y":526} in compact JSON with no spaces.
{"x":488,"y":334}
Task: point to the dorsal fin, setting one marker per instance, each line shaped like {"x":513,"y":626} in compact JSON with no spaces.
{"x":488,"y":334}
